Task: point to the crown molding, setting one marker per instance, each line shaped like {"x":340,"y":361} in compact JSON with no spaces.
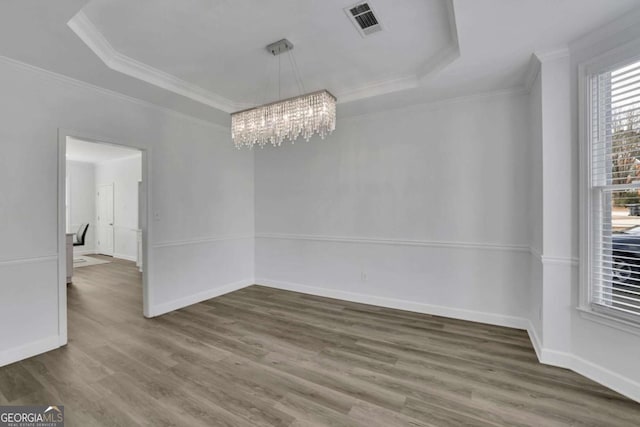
{"x":533,"y":71}
{"x":379,"y":88}
{"x":85,"y":29}
{"x":613,"y":31}
{"x":82,"y":26}
{"x":439,"y":103}
{"x":551,"y":54}
{"x":440,"y":60}
{"x":536,"y":61}
{"x":108,"y":92}
{"x":449,"y":53}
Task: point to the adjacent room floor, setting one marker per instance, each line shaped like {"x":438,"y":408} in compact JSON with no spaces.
{"x":267,"y":357}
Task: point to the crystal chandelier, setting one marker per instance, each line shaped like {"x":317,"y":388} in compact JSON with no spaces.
{"x":306,"y":115}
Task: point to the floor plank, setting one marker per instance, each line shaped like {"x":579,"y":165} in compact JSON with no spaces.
{"x":265,"y":357}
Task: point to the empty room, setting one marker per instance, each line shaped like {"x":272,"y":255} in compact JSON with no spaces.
{"x":320,"y":213}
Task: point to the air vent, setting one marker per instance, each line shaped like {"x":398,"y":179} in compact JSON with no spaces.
{"x":363,"y":17}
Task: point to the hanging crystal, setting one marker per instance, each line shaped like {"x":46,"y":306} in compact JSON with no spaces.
{"x":306,"y":115}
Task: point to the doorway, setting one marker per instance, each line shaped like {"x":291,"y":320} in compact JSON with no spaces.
{"x":103,"y":192}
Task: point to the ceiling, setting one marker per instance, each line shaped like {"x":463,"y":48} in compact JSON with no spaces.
{"x":219,"y":46}
{"x":91,"y":152}
{"x":206,"y":57}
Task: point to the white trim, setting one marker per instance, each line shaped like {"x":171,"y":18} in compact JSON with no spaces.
{"x":584,"y":197}
{"x":439,"y":103}
{"x":536,"y":60}
{"x":61,"y":220}
{"x":617,"y":27}
{"x":536,"y":253}
{"x":446,"y":55}
{"x":382,"y":87}
{"x":585,"y":69}
{"x":552,"y":54}
{"x":82,"y":26}
{"x":608,"y":378}
{"x":533,"y":71}
{"x":31,"y":349}
{"x":147,"y":274}
{"x":535,"y":341}
{"x":560,"y":260}
{"x":396,"y":242}
{"x":436,"y":310}
{"x":35,"y":260}
{"x":545,"y":259}
{"x":117,"y":95}
{"x":167,"y":307}
{"x":556,"y":358}
{"x":610,"y":321}
{"x":200,"y":241}
{"x":125,"y":257}
{"x":597,"y":373}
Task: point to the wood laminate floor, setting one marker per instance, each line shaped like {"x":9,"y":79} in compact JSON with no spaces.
{"x":260,"y":357}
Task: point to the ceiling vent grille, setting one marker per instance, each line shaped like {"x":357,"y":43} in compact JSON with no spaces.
{"x":364,"y":18}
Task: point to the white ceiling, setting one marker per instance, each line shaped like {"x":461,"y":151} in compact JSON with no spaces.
{"x":219,"y":45}
{"x":91,"y":152}
{"x":212,"y":50}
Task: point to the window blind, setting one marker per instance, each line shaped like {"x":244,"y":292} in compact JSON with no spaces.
{"x":615,"y":190}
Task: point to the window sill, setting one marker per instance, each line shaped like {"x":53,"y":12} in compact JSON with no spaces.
{"x":611,"y":321}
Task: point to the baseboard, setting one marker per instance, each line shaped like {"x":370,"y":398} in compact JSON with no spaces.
{"x":436,"y":310}
{"x":125,"y":257}
{"x":594,"y":372}
{"x":28,"y":350}
{"x":610,"y":379}
{"x":160,"y":309}
{"x":597,"y":373}
{"x":535,"y":341}
{"x":559,"y":359}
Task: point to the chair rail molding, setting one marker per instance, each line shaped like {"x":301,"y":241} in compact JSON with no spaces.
{"x":396,"y":242}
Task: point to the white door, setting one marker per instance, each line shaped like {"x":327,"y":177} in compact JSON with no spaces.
{"x":105,"y":220}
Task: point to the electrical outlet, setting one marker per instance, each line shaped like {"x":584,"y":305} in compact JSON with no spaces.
{"x":363,"y":276}
{"x":156,"y":216}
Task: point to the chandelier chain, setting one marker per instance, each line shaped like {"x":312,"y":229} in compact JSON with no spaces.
{"x":296,"y":71}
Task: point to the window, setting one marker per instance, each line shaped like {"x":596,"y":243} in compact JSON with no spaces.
{"x":614,"y":190}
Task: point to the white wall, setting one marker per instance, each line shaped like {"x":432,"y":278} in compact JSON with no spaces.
{"x":82,"y":199}
{"x":124,"y":175}
{"x":202,"y":190}
{"x":422,"y":208}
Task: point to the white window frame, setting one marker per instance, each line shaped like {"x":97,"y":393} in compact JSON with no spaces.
{"x":615,"y":58}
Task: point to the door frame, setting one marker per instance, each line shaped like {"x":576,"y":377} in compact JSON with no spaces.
{"x":146,"y":225}
{"x":113,"y":215}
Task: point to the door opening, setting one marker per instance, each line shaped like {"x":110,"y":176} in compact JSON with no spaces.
{"x":103,"y":192}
